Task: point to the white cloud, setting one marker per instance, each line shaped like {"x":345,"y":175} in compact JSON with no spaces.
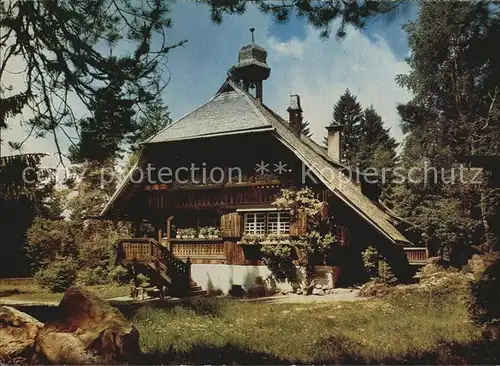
{"x":293,"y":47}
{"x":327,"y":68}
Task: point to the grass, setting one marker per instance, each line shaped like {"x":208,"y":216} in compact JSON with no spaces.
{"x":417,"y":327}
{"x":25,"y":290}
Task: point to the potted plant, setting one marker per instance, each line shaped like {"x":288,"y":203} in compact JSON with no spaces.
{"x":252,"y":238}
{"x":216,"y":232}
{"x":204,"y":232}
{"x":190,"y":233}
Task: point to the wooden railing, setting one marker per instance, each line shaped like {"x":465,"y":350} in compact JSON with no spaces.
{"x":148,"y":251}
{"x":417,"y":256}
{"x":198,"y":250}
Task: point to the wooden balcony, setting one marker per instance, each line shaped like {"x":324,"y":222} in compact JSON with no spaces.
{"x":228,"y":197}
{"x":417,"y":256}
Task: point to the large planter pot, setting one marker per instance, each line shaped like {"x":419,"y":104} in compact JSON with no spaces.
{"x":336,"y":272}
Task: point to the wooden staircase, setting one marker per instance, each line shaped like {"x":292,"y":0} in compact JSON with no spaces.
{"x":147,"y":256}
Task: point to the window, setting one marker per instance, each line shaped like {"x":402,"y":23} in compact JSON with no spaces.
{"x":261,"y":223}
{"x":255,"y":223}
{"x":278,"y":223}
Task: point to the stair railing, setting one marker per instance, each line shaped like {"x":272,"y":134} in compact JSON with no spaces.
{"x":147,"y":250}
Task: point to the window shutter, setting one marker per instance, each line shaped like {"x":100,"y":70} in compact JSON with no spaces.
{"x":343,"y":235}
{"x":298,"y":226}
{"x":230,"y":225}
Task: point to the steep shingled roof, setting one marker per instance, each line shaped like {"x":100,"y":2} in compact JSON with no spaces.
{"x":234,"y":111}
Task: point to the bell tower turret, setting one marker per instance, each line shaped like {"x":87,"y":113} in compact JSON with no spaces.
{"x":252,"y":68}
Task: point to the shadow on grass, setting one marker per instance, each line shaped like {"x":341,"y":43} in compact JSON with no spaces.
{"x":207,"y":354}
{"x":472,"y":353}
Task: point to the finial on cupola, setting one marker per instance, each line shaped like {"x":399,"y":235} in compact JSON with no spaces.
{"x":252,"y":30}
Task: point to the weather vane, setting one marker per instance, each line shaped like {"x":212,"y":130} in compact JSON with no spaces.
{"x":252,"y":30}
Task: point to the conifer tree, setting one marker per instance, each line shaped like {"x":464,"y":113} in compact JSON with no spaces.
{"x":347,"y":113}
{"x":304,"y":128}
{"x":375,"y":142}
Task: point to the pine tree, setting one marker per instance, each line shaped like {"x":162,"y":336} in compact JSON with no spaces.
{"x":375,"y":142}
{"x":347,"y":113}
{"x":304,"y":128}
{"x":155,"y":118}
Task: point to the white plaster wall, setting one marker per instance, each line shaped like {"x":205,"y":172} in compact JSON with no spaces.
{"x":221,"y":277}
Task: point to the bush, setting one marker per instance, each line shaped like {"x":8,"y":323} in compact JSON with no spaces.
{"x":93,"y":276}
{"x":484,"y":307}
{"x":119,"y":274}
{"x":57,"y":276}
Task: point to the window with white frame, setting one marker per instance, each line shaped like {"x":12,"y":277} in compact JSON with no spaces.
{"x":261,"y":223}
{"x":278,"y":223}
{"x":255,"y":223}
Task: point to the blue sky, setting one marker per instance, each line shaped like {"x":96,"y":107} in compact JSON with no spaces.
{"x":319,"y":71}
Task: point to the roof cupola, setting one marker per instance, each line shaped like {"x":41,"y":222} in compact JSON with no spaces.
{"x":252,"y":68}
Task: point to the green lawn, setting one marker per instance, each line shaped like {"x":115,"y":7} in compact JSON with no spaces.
{"x":418,"y":328}
{"x":30,"y":292}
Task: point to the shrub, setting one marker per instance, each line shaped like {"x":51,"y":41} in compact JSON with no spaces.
{"x":49,"y":239}
{"x":370,"y":262}
{"x":484,"y":305}
{"x":278,"y":259}
{"x":93,"y":276}
{"x":119,"y":274}
{"x":57,"y":276}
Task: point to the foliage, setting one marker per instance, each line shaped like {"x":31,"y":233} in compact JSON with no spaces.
{"x":22,"y":198}
{"x":304,"y":128}
{"x":347,"y":113}
{"x":58,"y":275}
{"x":119,"y":274}
{"x":485,"y":297}
{"x":453,"y":114}
{"x":320,"y":15}
{"x":155,"y":118}
{"x":279,"y":260}
{"x":385,"y":273}
{"x":49,"y":240}
{"x":370,"y":262}
{"x":314,"y":246}
{"x":62,"y":47}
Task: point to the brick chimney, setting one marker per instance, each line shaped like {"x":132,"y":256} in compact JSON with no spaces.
{"x":295,"y":114}
{"x":334,"y":141}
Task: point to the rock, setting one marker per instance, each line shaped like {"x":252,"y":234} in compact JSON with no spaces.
{"x":285,"y":291}
{"x":373,"y":289}
{"x":325,"y":287}
{"x":299,"y":291}
{"x":318,"y":286}
{"x":63,"y":348}
{"x":18,"y":332}
{"x":319,"y":292}
{"x":90,"y":326}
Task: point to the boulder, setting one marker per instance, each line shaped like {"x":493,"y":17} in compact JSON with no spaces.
{"x":63,"y":348}
{"x":18,"y":332}
{"x":86,"y":326}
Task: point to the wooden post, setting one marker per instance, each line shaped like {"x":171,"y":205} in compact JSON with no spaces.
{"x":169,"y":232}
{"x":137,"y":229}
{"x":188,"y":262}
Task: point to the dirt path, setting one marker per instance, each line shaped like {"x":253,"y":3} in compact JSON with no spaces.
{"x":341,"y":294}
